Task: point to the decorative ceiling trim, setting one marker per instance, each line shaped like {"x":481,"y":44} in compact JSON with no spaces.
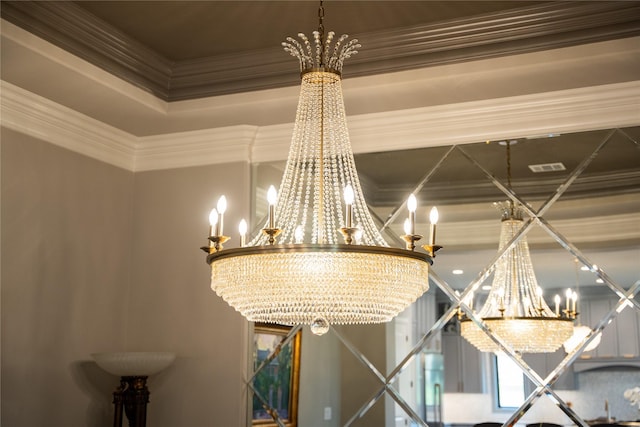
{"x":598,"y":107}
{"x":82,"y":68}
{"x":602,"y":229}
{"x":196,"y":148}
{"x":546,"y":26}
{"x":33,"y":115}
{"x":571,"y":110}
{"x":479,"y":191}
{"x":75,"y":30}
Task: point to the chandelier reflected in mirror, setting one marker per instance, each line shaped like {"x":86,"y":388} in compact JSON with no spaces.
{"x":580,"y":332}
{"x":319,"y":259}
{"x":515,"y":309}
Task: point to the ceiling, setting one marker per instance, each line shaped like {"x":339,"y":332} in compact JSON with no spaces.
{"x":185,"y":50}
{"x":190,"y":30}
{"x":165,"y":67}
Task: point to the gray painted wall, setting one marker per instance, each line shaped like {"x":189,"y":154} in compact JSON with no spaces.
{"x":320,"y":376}
{"x":172,"y":306}
{"x":96,"y":258}
{"x":66,"y":258}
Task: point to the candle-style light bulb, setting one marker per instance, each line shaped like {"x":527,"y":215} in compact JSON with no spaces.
{"x":213,"y":222}
{"x":433,"y":217}
{"x":568,"y":295}
{"x":574,"y":302}
{"x":348,"y":200}
{"x":407,"y":226}
{"x":272,"y":198}
{"x":412,"y":204}
{"x":242,"y":229}
{"x":222,"y":208}
{"x":556,"y":299}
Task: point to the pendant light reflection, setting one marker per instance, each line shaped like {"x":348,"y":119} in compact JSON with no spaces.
{"x":515,"y":309}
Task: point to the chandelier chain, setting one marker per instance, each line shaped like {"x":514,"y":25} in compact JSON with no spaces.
{"x":321,"y":22}
{"x":509,"y":164}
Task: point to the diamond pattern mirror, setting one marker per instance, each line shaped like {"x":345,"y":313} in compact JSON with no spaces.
{"x":580,"y":194}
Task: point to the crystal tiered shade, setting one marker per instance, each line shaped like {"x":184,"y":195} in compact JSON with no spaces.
{"x":319,"y":260}
{"x":515,"y":309}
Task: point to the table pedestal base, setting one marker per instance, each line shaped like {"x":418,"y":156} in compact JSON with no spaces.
{"x":132,"y":395}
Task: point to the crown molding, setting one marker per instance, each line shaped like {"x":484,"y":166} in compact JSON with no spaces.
{"x":196,"y":148}
{"x":598,"y":107}
{"x":572,"y":110}
{"x":602,"y":230}
{"x":72,"y":28}
{"x":565,"y":111}
{"x":546,"y":26}
{"x":484,"y":191}
{"x":33,"y":115}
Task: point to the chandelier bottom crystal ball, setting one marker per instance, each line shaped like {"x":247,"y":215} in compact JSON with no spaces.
{"x":319,"y":259}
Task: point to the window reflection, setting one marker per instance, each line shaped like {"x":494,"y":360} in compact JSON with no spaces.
{"x":509,"y":382}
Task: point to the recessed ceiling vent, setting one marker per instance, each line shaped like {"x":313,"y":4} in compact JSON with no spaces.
{"x":547,"y":167}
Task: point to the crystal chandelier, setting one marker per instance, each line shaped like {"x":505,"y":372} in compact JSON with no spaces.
{"x":319,"y":259}
{"x":515,"y":309}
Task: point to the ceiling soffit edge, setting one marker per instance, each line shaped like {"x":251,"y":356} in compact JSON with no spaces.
{"x":616,"y":229}
{"x":36,"y":116}
{"x":79,"y":32}
{"x":571,"y":110}
{"x":541,"y":27}
{"x":479,"y":191}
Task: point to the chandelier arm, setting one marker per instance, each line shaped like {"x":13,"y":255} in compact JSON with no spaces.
{"x":393,"y":215}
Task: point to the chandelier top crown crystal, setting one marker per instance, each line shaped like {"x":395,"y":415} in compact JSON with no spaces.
{"x":319,"y":259}
{"x":322,"y":54}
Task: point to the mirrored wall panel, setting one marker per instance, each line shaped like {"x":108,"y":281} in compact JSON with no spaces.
{"x":561,"y":210}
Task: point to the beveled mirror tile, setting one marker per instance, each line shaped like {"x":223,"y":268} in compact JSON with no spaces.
{"x":556,"y":209}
